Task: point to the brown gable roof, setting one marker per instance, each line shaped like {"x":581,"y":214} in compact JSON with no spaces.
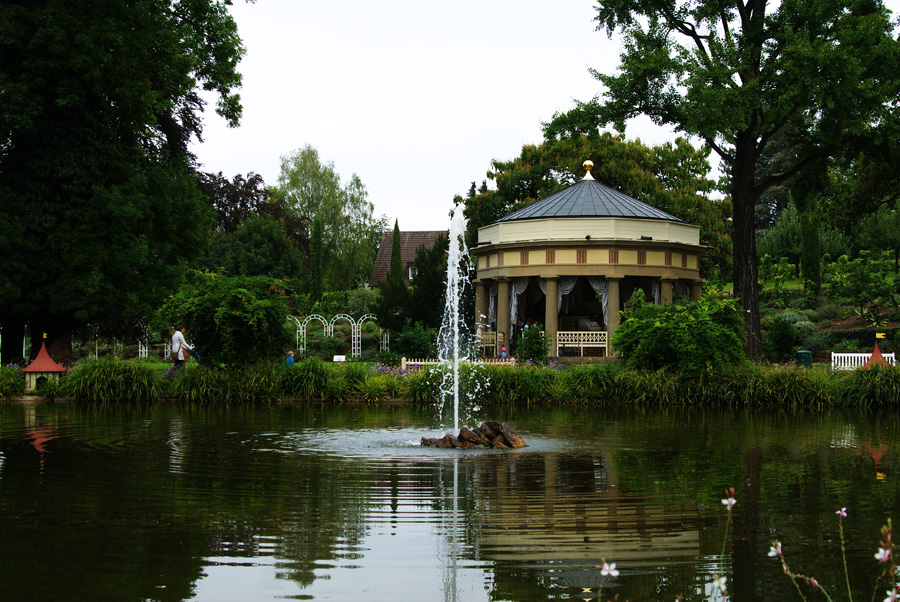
{"x":409,"y":243}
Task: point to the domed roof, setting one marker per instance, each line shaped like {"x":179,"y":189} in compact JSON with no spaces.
{"x":589,"y":198}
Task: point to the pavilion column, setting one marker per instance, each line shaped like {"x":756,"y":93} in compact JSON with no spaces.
{"x":696,"y":290}
{"x":551,"y":314}
{"x":667,"y":290}
{"x":503,"y":311}
{"x":612,"y":295}
{"x":482,"y":291}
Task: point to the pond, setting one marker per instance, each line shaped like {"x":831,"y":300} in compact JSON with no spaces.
{"x":312,"y":502}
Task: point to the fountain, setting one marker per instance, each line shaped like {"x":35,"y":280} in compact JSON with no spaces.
{"x":455,"y":346}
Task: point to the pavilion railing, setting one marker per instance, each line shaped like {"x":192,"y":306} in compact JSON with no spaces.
{"x":581,"y":340}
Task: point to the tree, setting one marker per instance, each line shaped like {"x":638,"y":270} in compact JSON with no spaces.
{"x":259,"y":247}
{"x":350,"y":233}
{"x":316,"y":261}
{"x":392,"y":305}
{"x":99,"y":207}
{"x":236,"y":200}
{"x":672,"y":177}
{"x":230,"y":320}
{"x":735,"y":73}
{"x":426,"y":303}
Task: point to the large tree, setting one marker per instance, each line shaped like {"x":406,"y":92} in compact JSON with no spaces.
{"x":735,"y":73}
{"x":350,"y":232}
{"x":99,"y":206}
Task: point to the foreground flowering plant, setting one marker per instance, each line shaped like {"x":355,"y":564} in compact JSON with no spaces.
{"x":884,"y":555}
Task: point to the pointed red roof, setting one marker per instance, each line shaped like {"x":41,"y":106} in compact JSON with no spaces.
{"x":876,"y":359}
{"x":43,"y":362}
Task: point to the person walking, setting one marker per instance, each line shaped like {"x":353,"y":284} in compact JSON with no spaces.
{"x":180,"y":348}
{"x":290,"y":358}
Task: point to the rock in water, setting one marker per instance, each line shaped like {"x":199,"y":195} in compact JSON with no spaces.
{"x":489,"y":434}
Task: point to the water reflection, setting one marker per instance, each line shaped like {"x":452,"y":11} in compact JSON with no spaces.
{"x":307,"y":502}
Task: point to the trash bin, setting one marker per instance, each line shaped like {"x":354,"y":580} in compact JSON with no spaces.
{"x":804,"y":358}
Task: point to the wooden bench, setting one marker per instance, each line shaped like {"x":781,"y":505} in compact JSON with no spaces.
{"x":852,"y":361}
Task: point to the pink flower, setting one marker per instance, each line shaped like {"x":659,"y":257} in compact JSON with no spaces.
{"x":730,"y":502}
{"x":609,"y":569}
{"x":883,"y":555}
{"x":842,"y":513}
{"x":775,"y":550}
{"x":892,"y":596}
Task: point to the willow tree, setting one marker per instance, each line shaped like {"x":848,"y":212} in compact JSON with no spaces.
{"x":736,"y":73}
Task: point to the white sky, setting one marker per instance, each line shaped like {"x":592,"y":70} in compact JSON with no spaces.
{"x":415,"y":97}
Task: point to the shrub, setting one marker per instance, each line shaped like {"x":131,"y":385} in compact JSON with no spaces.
{"x":232,"y":320}
{"x":108,"y":381}
{"x":415,"y":342}
{"x":689,"y":337}
{"x":534,"y":344}
{"x":779,"y":341}
{"x":259,"y":383}
{"x":388,"y":358}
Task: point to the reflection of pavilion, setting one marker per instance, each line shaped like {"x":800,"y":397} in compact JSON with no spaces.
{"x":577,"y":515}
{"x":571,"y":260}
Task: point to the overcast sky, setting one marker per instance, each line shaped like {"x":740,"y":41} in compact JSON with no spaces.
{"x":415,"y":97}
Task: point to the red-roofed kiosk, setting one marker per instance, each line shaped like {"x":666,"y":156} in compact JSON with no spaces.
{"x":43,"y":367}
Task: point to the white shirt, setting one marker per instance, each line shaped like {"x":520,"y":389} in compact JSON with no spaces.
{"x":179,"y":344}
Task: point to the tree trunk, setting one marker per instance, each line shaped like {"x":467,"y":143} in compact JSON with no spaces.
{"x":743,"y":240}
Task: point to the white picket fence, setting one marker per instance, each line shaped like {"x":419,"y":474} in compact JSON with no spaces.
{"x":852,"y":361}
{"x":406,"y":364}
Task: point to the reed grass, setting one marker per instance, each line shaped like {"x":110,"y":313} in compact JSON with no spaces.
{"x":12,"y":382}
{"x":746,"y":385}
{"x":110,"y":381}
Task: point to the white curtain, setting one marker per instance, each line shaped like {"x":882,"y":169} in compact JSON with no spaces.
{"x":566,"y":284}
{"x":657,"y":293}
{"x":516,"y":288}
{"x":601,"y":287}
{"x":492,"y":303}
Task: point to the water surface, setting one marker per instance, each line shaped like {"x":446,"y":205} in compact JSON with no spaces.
{"x":308,"y":502}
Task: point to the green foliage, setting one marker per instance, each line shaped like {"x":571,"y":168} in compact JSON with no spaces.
{"x":259,"y":247}
{"x":780,"y":340}
{"x":312,"y":189}
{"x":689,"y":337}
{"x":231,"y":320}
{"x":426,"y":296}
{"x":109,"y":381}
{"x":533,"y":345}
{"x":306,"y":379}
{"x":251,"y":384}
{"x":393,"y":301}
{"x":416,"y":342}
{"x":12,"y":382}
{"x":316,"y":261}
{"x":862,"y":282}
{"x":99,"y":206}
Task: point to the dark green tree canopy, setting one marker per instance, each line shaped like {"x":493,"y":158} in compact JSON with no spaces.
{"x":99,"y":205}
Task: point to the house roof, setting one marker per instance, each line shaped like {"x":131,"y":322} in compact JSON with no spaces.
{"x":588,"y":198}
{"x":43,"y":362}
{"x":409,"y":243}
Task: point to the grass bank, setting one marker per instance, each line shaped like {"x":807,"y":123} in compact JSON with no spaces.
{"x":750,"y":385}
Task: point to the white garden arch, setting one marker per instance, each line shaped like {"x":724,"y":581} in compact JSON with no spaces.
{"x":328,"y":325}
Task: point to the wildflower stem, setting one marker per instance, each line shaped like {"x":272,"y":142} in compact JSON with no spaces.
{"x":844,"y":556}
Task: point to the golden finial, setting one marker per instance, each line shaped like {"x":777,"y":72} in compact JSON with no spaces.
{"x":588,"y":165}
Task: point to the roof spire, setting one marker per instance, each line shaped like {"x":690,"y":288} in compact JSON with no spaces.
{"x":588,"y":165}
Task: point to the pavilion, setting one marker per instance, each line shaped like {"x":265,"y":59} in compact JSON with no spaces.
{"x":571,"y":262}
